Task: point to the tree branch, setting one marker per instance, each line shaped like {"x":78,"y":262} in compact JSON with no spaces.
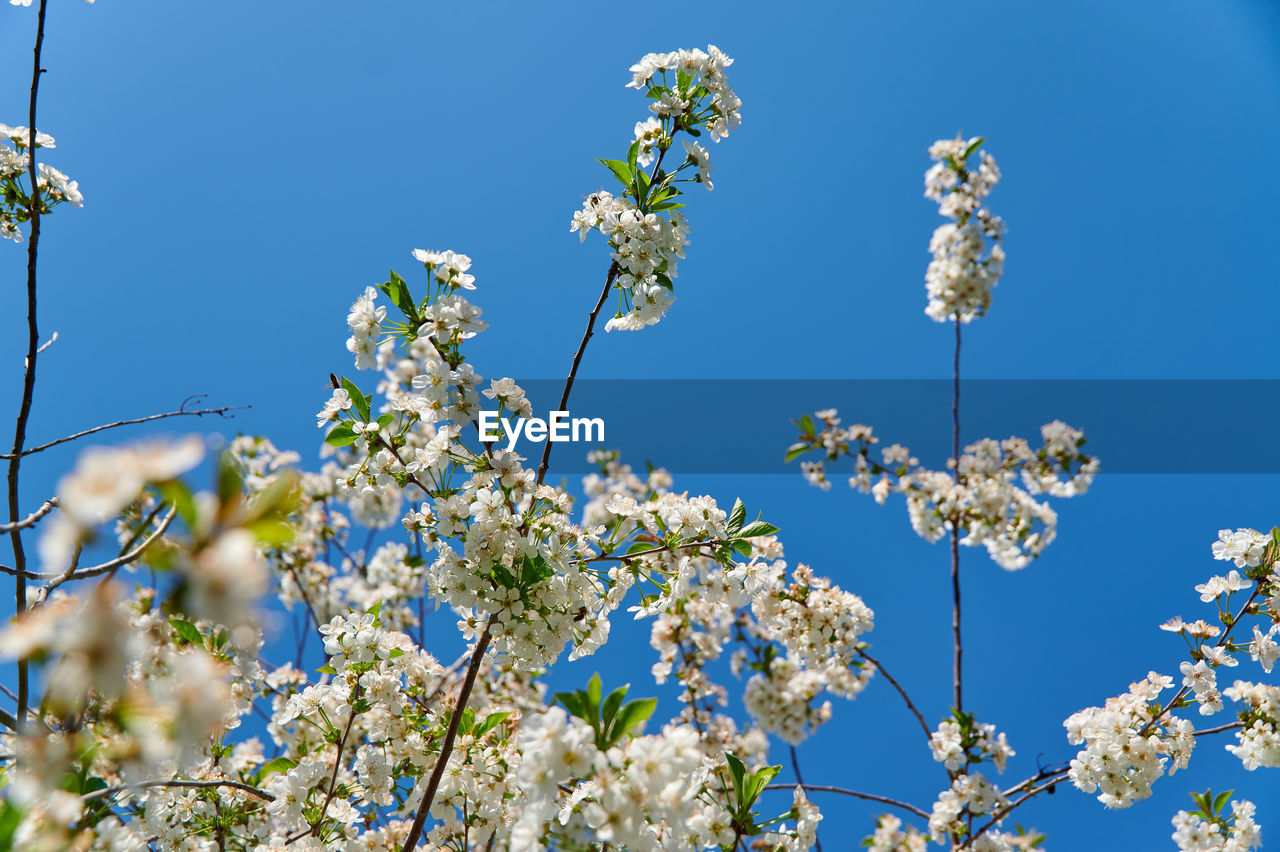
{"x":870,"y":797}
{"x":181,"y":412}
{"x":577,"y":359}
{"x":110,"y":565}
{"x":29,"y":369}
{"x":446,"y":747}
{"x":924,"y":726}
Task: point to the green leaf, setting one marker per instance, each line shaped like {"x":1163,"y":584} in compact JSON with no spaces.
{"x":1220,"y":802}
{"x":736,"y":773}
{"x":177,"y":493}
{"x":758,"y":528}
{"x":756,"y":783}
{"x":631,"y":716}
{"x":973,"y":146}
{"x":276,"y":765}
{"x":632,"y":154}
{"x":796,"y":450}
{"x":806,"y":425}
{"x":592,"y":705}
{"x":384,"y":420}
{"x":468,"y":723}
{"x":10,"y":819}
{"x":341,"y":435}
{"x":271,"y":531}
{"x":398,"y":291}
{"x":737,"y":516}
{"x":359,"y":401}
{"x":490,"y":722}
{"x":611,"y":705}
{"x":229,"y":482}
{"x":187,"y":631}
{"x":623,"y":172}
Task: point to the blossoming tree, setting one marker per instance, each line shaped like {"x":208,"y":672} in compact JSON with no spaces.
{"x":138,"y":677}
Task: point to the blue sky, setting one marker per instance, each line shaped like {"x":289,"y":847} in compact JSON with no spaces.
{"x":249,"y":167}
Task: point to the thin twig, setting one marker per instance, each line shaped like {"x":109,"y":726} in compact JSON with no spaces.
{"x":870,"y":797}
{"x":110,"y":565}
{"x":924,"y":726}
{"x":577,"y":359}
{"x":446,"y":747}
{"x":32,"y":519}
{"x":181,"y":412}
{"x":179,"y":782}
{"x":629,"y":556}
{"x":1230,"y":726}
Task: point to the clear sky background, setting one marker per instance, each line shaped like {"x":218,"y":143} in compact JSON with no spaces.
{"x":250,"y":167}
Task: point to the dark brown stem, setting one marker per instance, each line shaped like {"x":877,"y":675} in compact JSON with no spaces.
{"x":446,"y":747}
{"x":958,"y":656}
{"x":870,"y":797}
{"x":577,"y":359}
{"x":182,"y":411}
{"x":924,"y":726}
{"x":29,"y":372}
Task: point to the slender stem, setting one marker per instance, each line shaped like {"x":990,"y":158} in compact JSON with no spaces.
{"x":577,"y":359}
{"x":178,"y":782}
{"x":32,"y":519}
{"x":1230,"y":726}
{"x":182,"y":411}
{"x":29,"y":371}
{"x":446,"y":747}
{"x":924,"y":726}
{"x":870,"y":797}
{"x":957,"y":679}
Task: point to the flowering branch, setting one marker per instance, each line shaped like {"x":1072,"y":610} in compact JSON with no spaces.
{"x":446,"y":747}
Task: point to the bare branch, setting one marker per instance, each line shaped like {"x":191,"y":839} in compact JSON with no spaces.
{"x":870,"y":797}
{"x":112,"y":564}
{"x":182,"y":411}
{"x":33,"y":518}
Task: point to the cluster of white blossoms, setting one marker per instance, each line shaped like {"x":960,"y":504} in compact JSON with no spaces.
{"x":964,"y":269}
{"x":645,"y":229}
{"x":1258,"y":740}
{"x":1128,"y":743}
{"x":961,"y":742}
{"x":891,"y":835}
{"x":53,"y":186}
{"x":970,"y":795}
{"x":646,"y":248}
{"x":990,"y":498}
{"x":817,"y":625}
{"x":1237,"y":833}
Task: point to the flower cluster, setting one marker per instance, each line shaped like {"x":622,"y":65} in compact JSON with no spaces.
{"x":1128,"y":743}
{"x":690,"y":93}
{"x":989,"y":496}
{"x":963,"y":270}
{"x":1199,"y":831}
{"x":646,"y":248}
{"x":52,"y":186}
